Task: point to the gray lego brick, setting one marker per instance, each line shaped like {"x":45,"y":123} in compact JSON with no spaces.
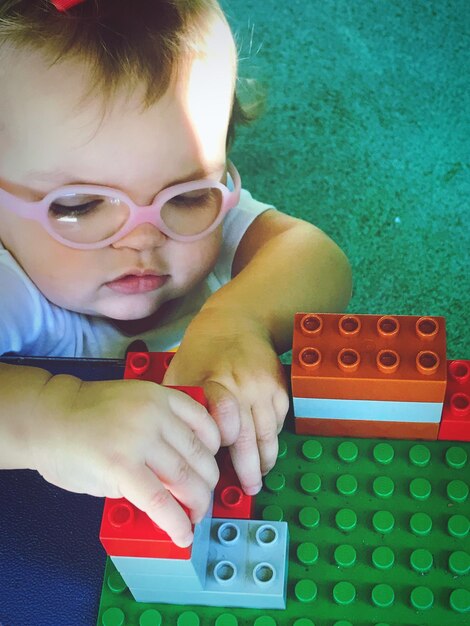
{"x":247,"y":567}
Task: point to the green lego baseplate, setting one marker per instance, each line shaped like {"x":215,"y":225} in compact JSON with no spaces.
{"x":379,"y":536}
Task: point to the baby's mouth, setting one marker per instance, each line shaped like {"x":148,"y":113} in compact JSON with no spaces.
{"x":131,"y":284}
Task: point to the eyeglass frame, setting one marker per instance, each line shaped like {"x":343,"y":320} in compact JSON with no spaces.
{"x":138,"y":214}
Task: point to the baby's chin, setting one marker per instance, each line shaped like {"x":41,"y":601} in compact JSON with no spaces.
{"x":158,"y":317}
{"x":131,"y":312}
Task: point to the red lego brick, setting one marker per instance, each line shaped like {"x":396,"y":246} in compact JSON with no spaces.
{"x":127,"y":531}
{"x":365,"y":428}
{"x":230,"y":501}
{"x":196,"y":393}
{"x":147,"y":365}
{"x":369,"y":357}
{"x":455,"y":423}
{"x":152,"y":366}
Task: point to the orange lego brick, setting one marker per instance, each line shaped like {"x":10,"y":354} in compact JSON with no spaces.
{"x":369,"y":357}
{"x":455,"y":423}
{"x":368,"y":429}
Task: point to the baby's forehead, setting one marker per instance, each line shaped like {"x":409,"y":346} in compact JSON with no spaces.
{"x":54,"y":120}
{"x":121,"y":59}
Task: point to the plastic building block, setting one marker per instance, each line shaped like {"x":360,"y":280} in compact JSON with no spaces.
{"x":147,"y":365}
{"x":365,"y":428}
{"x":229,"y":499}
{"x":455,"y":424}
{"x":166,"y":585}
{"x":379,"y":534}
{"x":170,"y":573}
{"x":128,"y":531}
{"x":151,"y":366}
{"x":369,"y":357}
{"x":367,"y":418}
{"x":246,"y":567}
{"x":193,"y":568}
{"x":125,"y":530}
{"x":424,"y":412}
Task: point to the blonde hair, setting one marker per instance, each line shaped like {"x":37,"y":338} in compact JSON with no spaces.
{"x":122,"y":42}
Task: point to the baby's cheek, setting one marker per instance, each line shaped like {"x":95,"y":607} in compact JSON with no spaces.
{"x":197,"y":260}
{"x":210,"y":251}
{"x":68,"y":279}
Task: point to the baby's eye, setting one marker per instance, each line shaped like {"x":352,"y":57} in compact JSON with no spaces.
{"x":192,"y":198}
{"x":61,"y":208}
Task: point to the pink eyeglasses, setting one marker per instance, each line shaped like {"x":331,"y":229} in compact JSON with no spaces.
{"x":88,"y":217}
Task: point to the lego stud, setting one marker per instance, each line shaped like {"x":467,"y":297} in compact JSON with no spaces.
{"x":310,"y":358}
{"x":311,"y":325}
{"x":264,"y":574}
{"x":121,"y":514}
{"x":231,"y":496}
{"x":266,"y":535}
{"x":168,"y":360}
{"x":459,"y":371}
{"x":460,"y":405}
{"x":139,"y":362}
{"x":387,"y":361}
{"x":348,"y":360}
{"x":427,"y":362}
{"x":427,"y":328}
{"x":349,"y":326}
{"x":225,"y":572}
{"x":388,"y":327}
{"x":228,"y":534}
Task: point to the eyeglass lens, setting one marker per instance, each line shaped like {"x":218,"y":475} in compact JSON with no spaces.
{"x":93,"y":218}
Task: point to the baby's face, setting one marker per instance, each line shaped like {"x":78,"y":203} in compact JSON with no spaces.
{"x":46,"y":141}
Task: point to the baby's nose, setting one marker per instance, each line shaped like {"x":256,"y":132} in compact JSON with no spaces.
{"x":142,"y":237}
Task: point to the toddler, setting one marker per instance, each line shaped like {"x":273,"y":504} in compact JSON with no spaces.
{"x":121,"y":217}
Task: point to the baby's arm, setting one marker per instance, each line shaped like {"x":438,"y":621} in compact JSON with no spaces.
{"x":129,"y":438}
{"x":283,"y":265}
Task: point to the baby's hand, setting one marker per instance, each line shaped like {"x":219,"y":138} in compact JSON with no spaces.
{"x":234,"y":361}
{"x":131,"y":439}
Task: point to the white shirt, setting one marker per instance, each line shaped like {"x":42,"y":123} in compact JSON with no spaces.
{"x":30,"y":325}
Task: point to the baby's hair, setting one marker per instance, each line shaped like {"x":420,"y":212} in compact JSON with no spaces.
{"x":123,"y":42}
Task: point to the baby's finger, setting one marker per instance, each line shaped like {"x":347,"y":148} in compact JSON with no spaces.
{"x":181,"y":480}
{"x":281,"y":407}
{"x":196,"y":417}
{"x":142,"y":487}
{"x":190,"y":448}
{"x":266,"y":425}
{"x":223,"y":407}
{"x":245,"y":455}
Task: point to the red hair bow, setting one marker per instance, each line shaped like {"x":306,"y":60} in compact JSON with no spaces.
{"x":63,"y":5}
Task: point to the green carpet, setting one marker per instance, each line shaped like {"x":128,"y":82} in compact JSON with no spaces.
{"x":366,"y":134}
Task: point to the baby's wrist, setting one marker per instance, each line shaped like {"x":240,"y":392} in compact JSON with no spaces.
{"x":232,"y":316}
{"x":52,"y":409}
